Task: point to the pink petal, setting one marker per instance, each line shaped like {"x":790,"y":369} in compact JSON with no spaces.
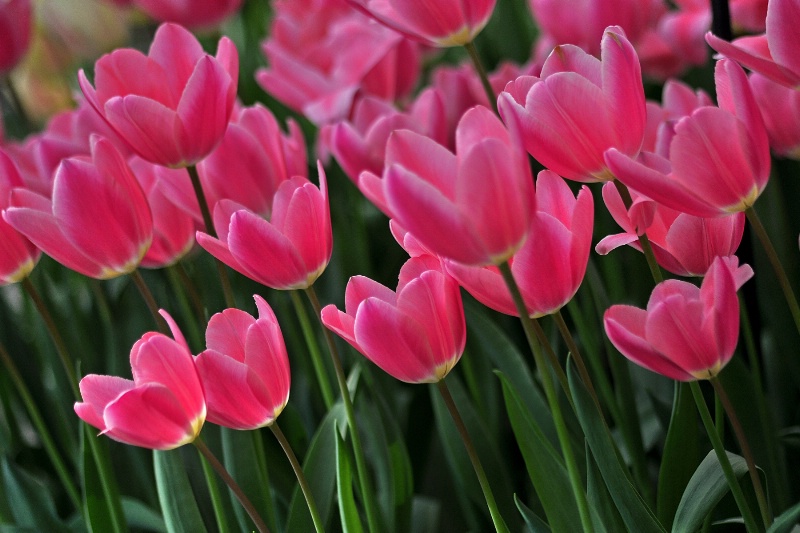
{"x":424,"y":157}
{"x":149,"y":127}
{"x":622,"y":85}
{"x":226,"y":332}
{"x":783,"y":20}
{"x":97,"y":392}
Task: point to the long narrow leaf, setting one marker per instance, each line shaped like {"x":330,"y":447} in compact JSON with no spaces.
{"x":178,"y":503}
{"x":348,"y":512}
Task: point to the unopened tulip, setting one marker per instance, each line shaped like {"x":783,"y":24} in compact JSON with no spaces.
{"x":416,"y":334}
{"x":162,"y":408}
{"x":173,"y":105}
{"x":18,"y":255}
{"x":194,"y":14}
{"x":16,"y":23}
{"x":245,"y":369}
{"x":780,"y":107}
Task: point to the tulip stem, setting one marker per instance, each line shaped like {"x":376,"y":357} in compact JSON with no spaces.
{"x":552,"y":357}
{"x":208,"y":222}
{"x":313,"y":349}
{"x":722,"y":456}
{"x":41,"y":427}
{"x":552,"y":399}
{"x":22,"y":114}
{"x":481,"y":71}
{"x":772,"y":255}
{"x":149,"y":299}
{"x":216,"y":497}
{"x":497,"y":519}
{"x":576,"y":356}
{"x":361,"y":462}
{"x":644,"y":241}
{"x":226,"y":477}
{"x":301,"y":478}
{"x":746,"y":451}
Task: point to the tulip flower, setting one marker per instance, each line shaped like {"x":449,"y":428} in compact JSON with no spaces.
{"x":288,"y":251}
{"x":245,"y":369}
{"x":551,"y":264}
{"x":15,"y":32}
{"x":579,"y":107}
{"x":773,"y":54}
{"x":195,"y":14}
{"x":416,"y":334}
{"x":437,"y":22}
{"x":18,"y":255}
{"x":162,"y":408}
{"x":780,"y":108}
{"x":173,"y":105}
{"x":719,"y":158}
{"x":686,"y":333}
{"x":473,"y":206}
{"x":98,"y":222}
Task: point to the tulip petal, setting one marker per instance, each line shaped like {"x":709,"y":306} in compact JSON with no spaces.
{"x":226,"y":332}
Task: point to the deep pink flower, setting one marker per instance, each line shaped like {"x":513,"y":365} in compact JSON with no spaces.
{"x":162,"y":408}
{"x":686,"y":333}
{"x":18,"y":255}
{"x":684,"y":244}
{"x":551,"y":264}
{"x":774,"y":54}
{"x":98,"y":222}
{"x":436,"y":22}
{"x":245,"y":369}
{"x":718,"y":157}
{"x":416,"y":334}
{"x":473,"y":206}
{"x":579,"y":107}
{"x":190,"y":13}
{"x":780,"y":108}
{"x":16,"y":23}
{"x":173,"y":105}
{"x":288,"y":251}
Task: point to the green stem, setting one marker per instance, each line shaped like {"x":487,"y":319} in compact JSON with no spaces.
{"x":26,"y":121}
{"x":216,"y":497}
{"x":644,"y":241}
{"x":576,"y":356}
{"x":552,"y":400}
{"x":497,"y":519}
{"x":40,"y":425}
{"x":301,"y":478}
{"x":746,"y":451}
{"x":722,"y":456}
{"x":230,"y":301}
{"x":193,"y":320}
{"x":237,"y":490}
{"x":772,"y":255}
{"x":361,"y":463}
{"x":313,"y":349}
{"x":148,"y":298}
{"x":481,"y":71}
{"x":551,"y":357}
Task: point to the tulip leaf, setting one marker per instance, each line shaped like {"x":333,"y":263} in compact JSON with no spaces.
{"x":243,"y":454}
{"x":425,"y":513}
{"x":704,"y":491}
{"x":319,"y":467}
{"x":545,"y":467}
{"x":178,"y":503}
{"x":140,"y":516}
{"x":786,"y":521}
{"x":632,"y":508}
{"x":680,"y":457}
{"x":97,"y":512}
{"x":31,"y":504}
{"x":604,"y":513}
{"x":532,"y":522}
{"x":348,"y":512}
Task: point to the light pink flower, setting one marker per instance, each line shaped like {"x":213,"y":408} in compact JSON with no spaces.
{"x":18,"y":255}
{"x":98,"y":222}
{"x":416,"y":334}
{"x":288,"y":251}
{"x":162,"y":408}
{"x":16,"y":23}
{"x":245,"y":369}
{"x":173,"y":105}
{"x":579,"y":107}
{"x":190,"y":13}
{"x":686,"y":333}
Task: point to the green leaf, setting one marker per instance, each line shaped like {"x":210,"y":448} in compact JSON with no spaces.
{"x":604,"y":513}
{"x":786,"y":521}
{"x":98,"y":516}
{"x":425,"y":513}
{"x":348,"y":512}
{"x":243,"y":456}
{"x":704,"y":491}
{"x":140,"y":516}
{"x":545,"y":466}
{"x":533,"y":522}
{"x":178,"y":503}
{"x":632,"y":508}
{"x":31,"y":504}
{"x":681,"y":454}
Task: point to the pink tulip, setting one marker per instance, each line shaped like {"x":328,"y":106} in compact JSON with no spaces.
{"x":173,"y":228}
{"x":162,"y":408}
{"x":15,"y":32}
{"x":678,"y":101}
{"x":676,"y":42}
{"x":474,"y":206}
{"x":718,"y":158}
{"x":18,"y":255}
{"x":245,"y":369}
{"x":436,"y":22}
{"x":686,"y":333}
{"x":684,"y":244}
{"x":193,"y":14}
{"x":579,"y":108}
{"x":780,"y":107}
{"x":417,"y":334}
{"x":288,"y":251}
{"x":551,"y":264}
{"x":173,"y":105}
{"x":774,"y":54}
{"x":98,"y":222}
